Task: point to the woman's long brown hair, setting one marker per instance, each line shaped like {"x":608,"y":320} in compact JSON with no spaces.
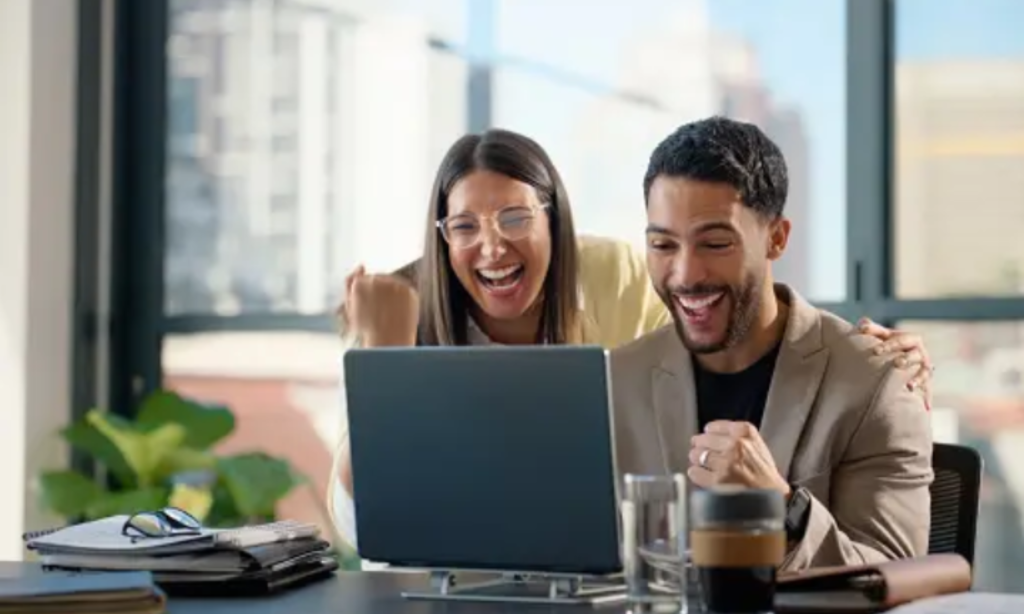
{"x":444,"y":303}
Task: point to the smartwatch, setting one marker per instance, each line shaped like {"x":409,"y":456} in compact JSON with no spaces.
{"x":798,"y":511}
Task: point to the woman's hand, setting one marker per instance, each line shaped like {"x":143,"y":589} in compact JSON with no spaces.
{"x":382,"y":309}
{"x":910,"y":353}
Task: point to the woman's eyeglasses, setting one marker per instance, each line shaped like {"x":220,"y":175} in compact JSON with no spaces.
{"x":168,"y":522}
{"x":464,"y":230}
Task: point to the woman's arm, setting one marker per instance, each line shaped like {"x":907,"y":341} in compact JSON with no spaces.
{"x":377,"y":311}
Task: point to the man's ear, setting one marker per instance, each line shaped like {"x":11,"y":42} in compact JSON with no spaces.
{"x":778,"y":237}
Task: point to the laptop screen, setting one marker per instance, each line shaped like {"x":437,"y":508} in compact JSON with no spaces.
{"x":495,"y":458}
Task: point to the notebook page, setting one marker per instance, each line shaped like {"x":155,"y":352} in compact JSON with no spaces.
{"x":105,"y":535}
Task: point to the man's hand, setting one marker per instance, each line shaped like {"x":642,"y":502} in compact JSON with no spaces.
{"x":382,"y":309}
{"x":733,"y":453}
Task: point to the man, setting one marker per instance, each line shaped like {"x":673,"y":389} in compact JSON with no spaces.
{"x":753,"y":385}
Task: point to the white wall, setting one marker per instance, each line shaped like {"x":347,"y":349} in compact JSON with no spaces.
{"x":38,"y":41}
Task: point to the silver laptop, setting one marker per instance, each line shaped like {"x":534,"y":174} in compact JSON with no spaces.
{"x":484,"y":458}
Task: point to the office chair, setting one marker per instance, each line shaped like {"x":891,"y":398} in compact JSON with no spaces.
{"x":955,"y":496}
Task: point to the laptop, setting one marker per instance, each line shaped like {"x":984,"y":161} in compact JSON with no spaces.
{"x":484,"y":458}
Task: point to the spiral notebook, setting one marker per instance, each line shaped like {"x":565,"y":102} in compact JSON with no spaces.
{"x":105,"y":536}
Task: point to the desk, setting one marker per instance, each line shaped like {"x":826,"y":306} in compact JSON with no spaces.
{"x":373,"y":592}
{"x":380,"y":593}
{"x":367,"y":592}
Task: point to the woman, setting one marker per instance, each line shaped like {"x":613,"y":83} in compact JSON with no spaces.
{"x":502,"y":264}
{"x":596,"y":290}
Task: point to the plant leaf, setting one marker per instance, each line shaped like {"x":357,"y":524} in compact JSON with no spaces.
{"x":204,"y":424}
{"x":257,"y":482}
{"x":127,"y":502}
{"x":182,"y":460}
{"x":68,"y":493}
{"x":87,"y":438}
{"x":143,"y":452}
{"x":223,"y":511}
{"x":195,"y":501}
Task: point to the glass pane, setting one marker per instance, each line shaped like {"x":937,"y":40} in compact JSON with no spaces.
{"x":959,"y":148}
{"x":444,"y":19}
{"x":601,"y":98}
{"x":284,"y":143}
{"x":978,"y":400}
{"x":284,"y":390}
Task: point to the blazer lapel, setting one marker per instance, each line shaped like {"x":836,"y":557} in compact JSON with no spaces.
{"x":675,"y":406}
{"x":798,"y":374}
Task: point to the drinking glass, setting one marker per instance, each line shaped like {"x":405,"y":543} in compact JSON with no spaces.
{"x":654,"y":539}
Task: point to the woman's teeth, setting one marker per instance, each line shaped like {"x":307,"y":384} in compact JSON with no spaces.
{"x":501,"y":278}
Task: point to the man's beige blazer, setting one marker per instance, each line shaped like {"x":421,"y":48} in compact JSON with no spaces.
{"x":839,"y":421}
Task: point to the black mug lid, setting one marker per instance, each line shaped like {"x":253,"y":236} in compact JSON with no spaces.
{"x":727,"y":504}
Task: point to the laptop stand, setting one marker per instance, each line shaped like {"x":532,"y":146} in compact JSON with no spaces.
{"x":524,"y":588}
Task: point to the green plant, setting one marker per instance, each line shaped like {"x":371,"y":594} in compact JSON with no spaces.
{"x":164,"y":457}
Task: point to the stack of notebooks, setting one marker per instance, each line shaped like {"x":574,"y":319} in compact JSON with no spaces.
{"x":244,"y":561}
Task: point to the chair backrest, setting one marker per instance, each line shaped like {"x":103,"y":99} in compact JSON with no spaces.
{"x":955,"y":497}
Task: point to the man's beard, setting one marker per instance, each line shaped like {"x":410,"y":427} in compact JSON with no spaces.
{"x":744,"y":304}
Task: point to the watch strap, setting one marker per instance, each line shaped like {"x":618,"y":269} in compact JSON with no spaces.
{"x":798,"y":510}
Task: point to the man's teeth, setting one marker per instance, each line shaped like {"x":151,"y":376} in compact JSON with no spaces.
{"x":694,"y":303}
{"x":495,"y":274}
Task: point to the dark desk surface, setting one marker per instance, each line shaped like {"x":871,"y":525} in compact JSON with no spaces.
{"x":357,"y":593}
{"x":365,"y":593}
{"x":347,"y":593}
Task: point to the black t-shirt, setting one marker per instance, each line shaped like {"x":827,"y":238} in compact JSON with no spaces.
{"x":734,"y":396}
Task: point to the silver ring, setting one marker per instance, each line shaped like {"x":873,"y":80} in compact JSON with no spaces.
{"x":702,"y":460}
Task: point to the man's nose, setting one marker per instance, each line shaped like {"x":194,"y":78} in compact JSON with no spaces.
{"x":688,"y":270}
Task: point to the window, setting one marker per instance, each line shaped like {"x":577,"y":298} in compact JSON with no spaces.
{"x":959,"y":148}
{"x":978,"y":400}
{"x":353,"y":146}
{"x":600,"y":97}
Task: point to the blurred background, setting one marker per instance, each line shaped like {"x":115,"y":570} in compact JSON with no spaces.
{"x":188,"y":181}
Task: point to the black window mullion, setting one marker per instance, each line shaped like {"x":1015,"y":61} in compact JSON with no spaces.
{"x":137,"y":279}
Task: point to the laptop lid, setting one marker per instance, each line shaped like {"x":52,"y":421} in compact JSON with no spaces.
{"x":491,"y":457}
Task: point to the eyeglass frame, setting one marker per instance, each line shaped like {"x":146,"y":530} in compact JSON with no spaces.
{"x":534,"y":210}
{"x":172,"y":527}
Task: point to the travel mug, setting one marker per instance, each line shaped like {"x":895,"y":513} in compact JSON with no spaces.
{"x":737,"y":542}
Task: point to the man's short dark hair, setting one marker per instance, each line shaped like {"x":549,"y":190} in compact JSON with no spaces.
{"x":722,"y":150}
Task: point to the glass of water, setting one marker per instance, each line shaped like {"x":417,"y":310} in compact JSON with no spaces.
{"x":654,"y":542}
